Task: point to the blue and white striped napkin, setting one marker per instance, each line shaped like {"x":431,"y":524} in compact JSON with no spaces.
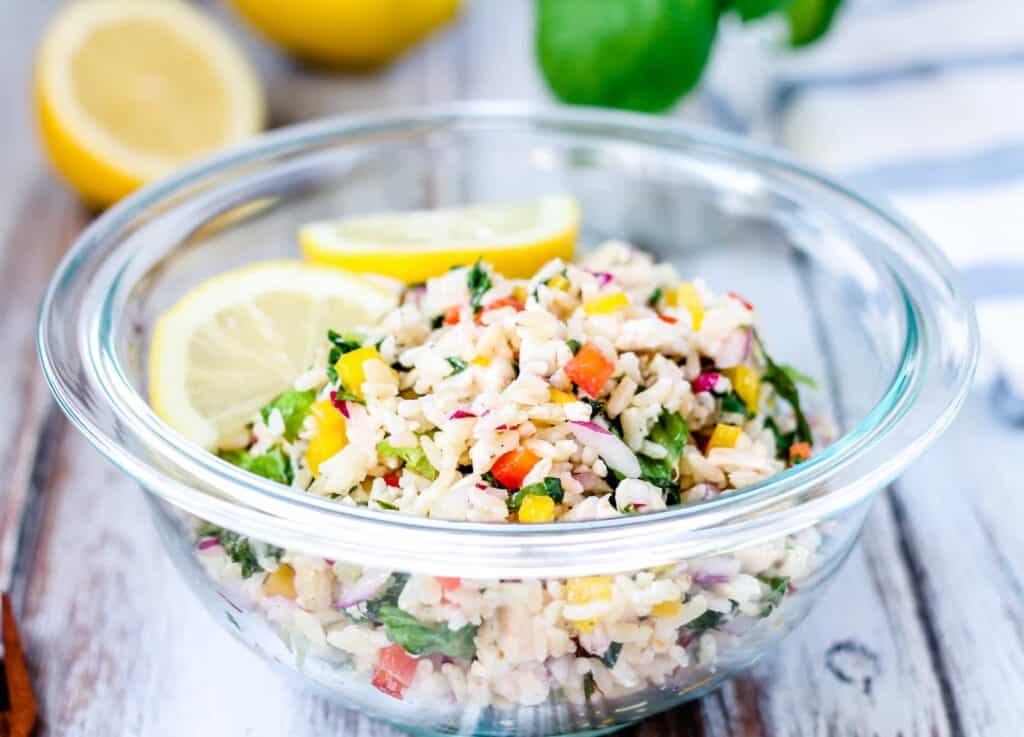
{"x":922,"y":102}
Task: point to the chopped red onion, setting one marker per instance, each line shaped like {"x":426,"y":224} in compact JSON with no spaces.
{"x":715,"y":570}
{"x":603,"y":277}
{"x":705,"y":382}
{"x":734,"y":348}
{"x":460,"y":414}
{"x":367,"y":587}
{"x":339,"y":404}
{"x":590,"y":481}
{"x":615,"y":453}
{"x":207,"y":542}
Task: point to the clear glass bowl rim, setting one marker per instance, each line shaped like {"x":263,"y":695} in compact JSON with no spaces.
{"x":318,"y":526}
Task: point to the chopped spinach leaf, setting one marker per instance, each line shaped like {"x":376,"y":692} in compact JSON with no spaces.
{"x":777,"y":587}
{"x":574,"y":346}
{"x":709,"y":620}
{"x":388,"y":595}
{"x":273,"y":464}
{"x":419,"y":638}
{"x":478,"y":282}
{"x":488,"y":478}
{"x":785,"y":387}
{"x":344,"y":343}
{"x":239,"y":548}
{"x":293,"y":406}
{"x":732,"y":404}
{"x":415,"y":459}
{"x":611,"y":655}
{"x":551,"y":487}
{"x":436,"y":322}
{"x":386,"y":505}
{"x":458,"y":365}
{"x":671,"y":433}
{"x":655,"y":297}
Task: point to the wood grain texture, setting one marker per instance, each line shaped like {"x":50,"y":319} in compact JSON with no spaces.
{"x":921,"y":634}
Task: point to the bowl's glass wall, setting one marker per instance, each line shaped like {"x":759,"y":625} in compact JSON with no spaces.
{"x":531,"y":669}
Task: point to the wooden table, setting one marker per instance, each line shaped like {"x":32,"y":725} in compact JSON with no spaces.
{"x":921,"y":634}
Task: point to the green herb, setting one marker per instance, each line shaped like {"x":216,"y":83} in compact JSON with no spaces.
{"x":634,"y":54}
{"x":551,"y":487}
{"x":709,"y":620}
{"x":273,"y":464}
{"x":238,"y":548}
{"x":388,"y":595}
{"x":596,"y":405}
{"x":458,"y":365}
{"x":415,"y":459}
{"x":574,"y":346}
{"x":386,"y":505}
{"x":340,"y":345}
{"x":655,"y":297}
{"x":488,"y":478}
{"x":671,"y":433}
{"x":344,"y":395}
{"x":478,"y":282}
{"x":796,"y":377}
{"x":777,"y":587}
{"x":611,"y":655}
{"x":436,"y":322}
{"x":786,"y":388}
{"x":293,"y":406}
{"x":732,"y":404}
{"x":419,"y":638}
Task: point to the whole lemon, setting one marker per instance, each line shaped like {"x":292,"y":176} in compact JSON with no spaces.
{"x":346,"y":32}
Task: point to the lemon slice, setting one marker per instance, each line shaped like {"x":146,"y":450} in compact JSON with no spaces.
{"x":235,"y":342}
{"x":126,"y":91}
{"x":516,"y":239}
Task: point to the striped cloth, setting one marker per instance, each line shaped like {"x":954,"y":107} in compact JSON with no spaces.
{"x":920,"y":102}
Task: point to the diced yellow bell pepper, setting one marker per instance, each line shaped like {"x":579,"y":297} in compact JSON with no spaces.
{"x":585,"y":625}
{"x":520,"y":293}
{"x":559,"y":397}
{"x":559,"y":282}
{"x":685,"y":295}
{"x":481,"y":361}
{"x":537,"y":508}
{"x":607,"y":304}
{"x":281,"y":582}
{"x":586,"y":589}
{"x":351,"y":368}
{"x":724,"y":436}
{"x":330,"y":434}
{"x":666,"y":609}
{"x":747,"y":385}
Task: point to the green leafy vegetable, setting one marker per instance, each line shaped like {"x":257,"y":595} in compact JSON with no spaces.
{"x":419,"y":638}
{"x":574,"y":346}
{"x":655,"y":297}
{"x":611,"y":655}
{"x":239,"y":548}
{"x":458,"y":365}
{"x":340,"y":345}
{"x":809,"y":20}
{"x":633,"y":54}
{"x":478,"y":282}
{"x":551,"y":487}
{"x":415,"y":459}
{"x":796,"y":377}
{"x":436,"y":322}
{"x":273,"y":464}
{"x":709,"y":620}
{"x":671,"y":433}
{"x":293,"y":406}
{"x":782,"y":439}
{"x":786,"y":388}
{"x":732,"y":404}
{"x":777,"y":587}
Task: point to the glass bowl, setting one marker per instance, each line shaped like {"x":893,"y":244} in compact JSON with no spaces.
{"x":691,"y":595}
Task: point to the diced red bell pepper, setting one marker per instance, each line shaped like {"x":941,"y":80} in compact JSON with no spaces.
{"x":396,"y":670}
{"x":451,"y":315}
{"x":449,"y":583}
{"x":590,"y":369}
{"x":667,"y":318}
{"x":497,"y":305}
{"x":741,"y":300}
{"x":511,"y":468}
{"x":391,"y":479}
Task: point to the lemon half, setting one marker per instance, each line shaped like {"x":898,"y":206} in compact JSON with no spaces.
{"x":517,"y":239}
{"x":238,"y":340}
{"x":126,"y":91}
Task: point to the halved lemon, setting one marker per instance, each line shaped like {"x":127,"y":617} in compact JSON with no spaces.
{"x":238,"y":340}
{"x":413,"y":246}
{"x":126,"y":91}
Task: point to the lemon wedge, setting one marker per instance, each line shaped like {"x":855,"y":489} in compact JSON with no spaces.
{"x":516,"y":239}
{"x":236,"y":341}
{"x":126,"y":91}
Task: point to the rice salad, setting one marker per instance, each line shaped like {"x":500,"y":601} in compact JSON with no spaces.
{"x":594,"y":389}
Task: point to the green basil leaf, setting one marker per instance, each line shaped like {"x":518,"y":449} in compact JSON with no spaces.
{"x":419,"y":638}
